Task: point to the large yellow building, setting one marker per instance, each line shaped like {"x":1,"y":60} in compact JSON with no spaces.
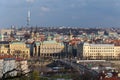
{"x":4,"y":47}
{"x":17,"y":49}
{"x":99,"y":51}
{"x":49,"y":48}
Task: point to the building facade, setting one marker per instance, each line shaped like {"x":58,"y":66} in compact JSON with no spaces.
{"x":4,"y":47}
{"x":99,"y":51}
{"x":17,"y":49}
{"x":48,"y":48}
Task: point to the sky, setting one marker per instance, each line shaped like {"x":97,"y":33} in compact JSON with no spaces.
{"x":70,"y":13}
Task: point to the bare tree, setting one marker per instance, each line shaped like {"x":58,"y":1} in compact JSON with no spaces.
{"x":20,"y":73}
{"x":6,"y":75}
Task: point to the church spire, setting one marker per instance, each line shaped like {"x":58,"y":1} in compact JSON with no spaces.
{"x":70,"y":35}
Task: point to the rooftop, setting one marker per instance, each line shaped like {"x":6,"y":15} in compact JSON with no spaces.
{"x":17,"y":42}
{"x":4,"y":42}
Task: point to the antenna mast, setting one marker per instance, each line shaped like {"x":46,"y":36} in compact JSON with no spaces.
{"x":28,"y":19}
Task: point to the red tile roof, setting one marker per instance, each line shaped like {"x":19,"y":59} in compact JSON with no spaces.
{"x":6,"y":56}
{"x":10,"y":56}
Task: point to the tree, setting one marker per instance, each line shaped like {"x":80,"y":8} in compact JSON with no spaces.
{"x":19,"y":70}
{"x":6,"y":75}
{"x":35,"y":75}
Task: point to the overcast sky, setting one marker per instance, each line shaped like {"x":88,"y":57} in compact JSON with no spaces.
{"x":84,"y":13}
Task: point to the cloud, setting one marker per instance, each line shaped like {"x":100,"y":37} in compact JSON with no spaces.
{"x":45,"y":9}
{"x":31,"y":1}
{"x":72,"y":12}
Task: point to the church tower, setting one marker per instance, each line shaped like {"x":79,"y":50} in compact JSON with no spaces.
{"x":70,"y":35}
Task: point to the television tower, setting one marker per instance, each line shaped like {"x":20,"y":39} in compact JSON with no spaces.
{"x":28,"y":19}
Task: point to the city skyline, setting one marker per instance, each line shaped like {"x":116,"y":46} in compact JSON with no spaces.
{"x":83,"y":13}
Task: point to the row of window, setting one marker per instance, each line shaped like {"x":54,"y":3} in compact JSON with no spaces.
{"x":17,"y":47}
{"x":100,"y":56}
{"x":42,"y":51}
{"x":101,"y":51}
{"x":101,"y":48}
{"x":51,"y":55}
{"x":19,"y":51}
{"x":49,"y":48}
{"x":97,"y":54}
